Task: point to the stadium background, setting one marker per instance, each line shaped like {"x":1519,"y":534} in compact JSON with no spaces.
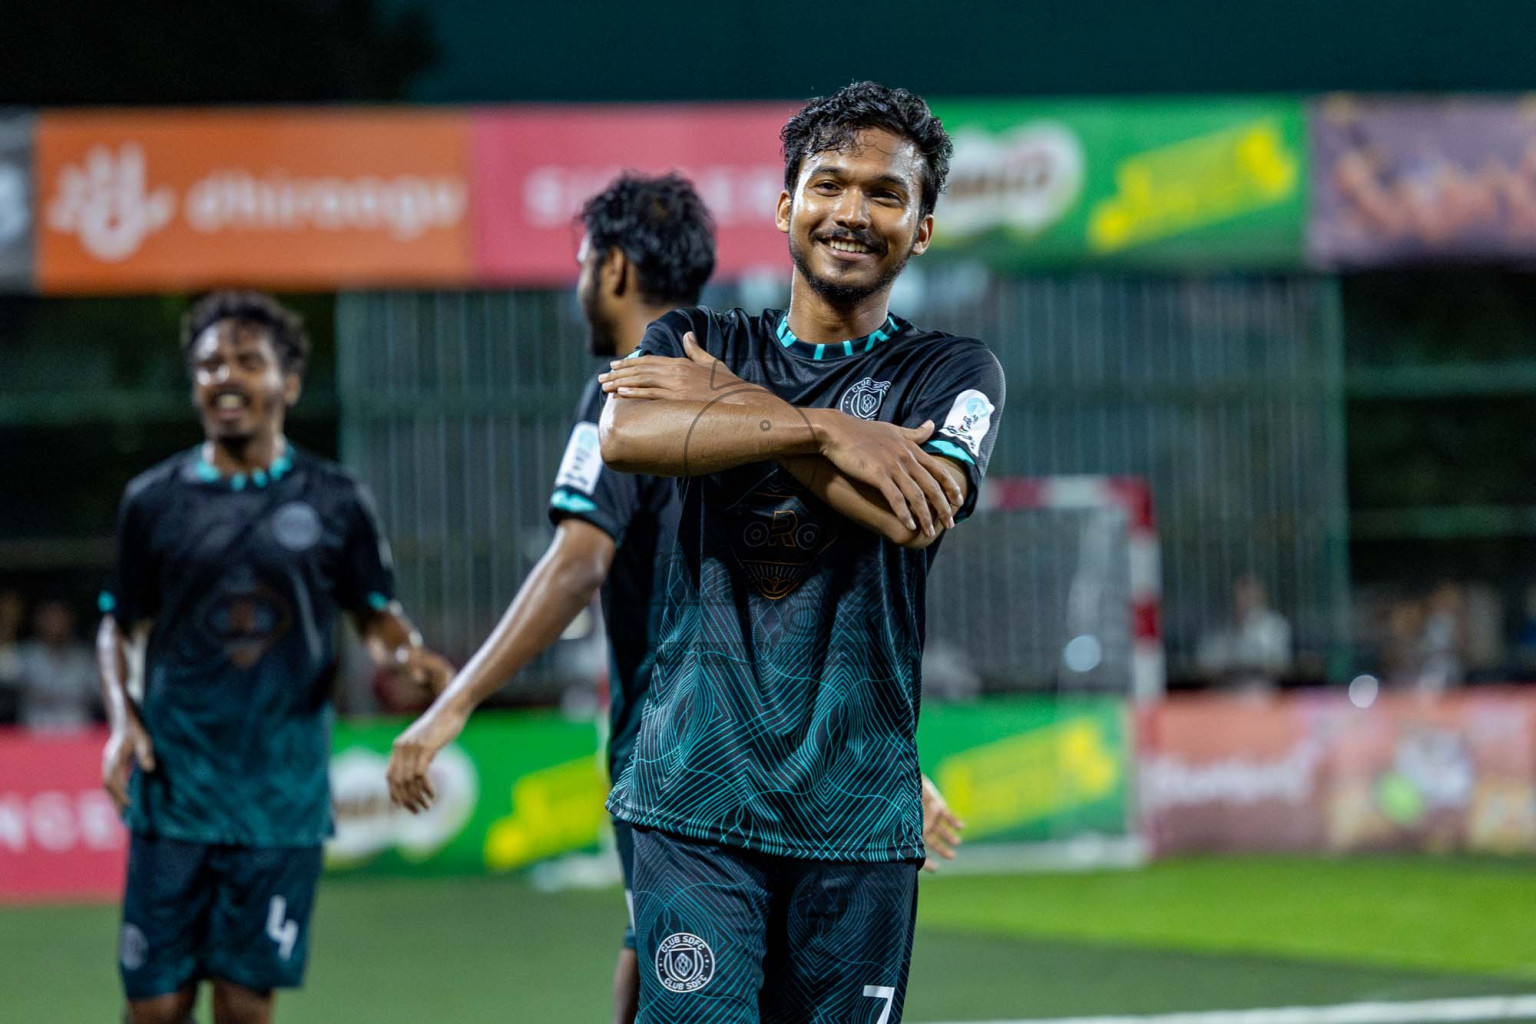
{"x":1342,"y":415}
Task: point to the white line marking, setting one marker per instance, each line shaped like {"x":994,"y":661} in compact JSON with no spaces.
{"x":1428,"y":1011}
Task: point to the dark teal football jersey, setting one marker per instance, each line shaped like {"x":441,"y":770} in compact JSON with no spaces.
{"x":243,"y":578}
{"x":640,"y":513}
{"x":784,"y":701}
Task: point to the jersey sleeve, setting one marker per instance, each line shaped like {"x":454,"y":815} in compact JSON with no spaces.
{"x":963,"y":395}
{"x":586,"y":489}
{"x":664,"y":337}
{"x":134,"y":594}
{"x":367,"y":576}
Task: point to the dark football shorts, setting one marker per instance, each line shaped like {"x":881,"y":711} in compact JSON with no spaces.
{"x":728,"y":936}
{"x":236,"y":913}
{"x":624,"y":840}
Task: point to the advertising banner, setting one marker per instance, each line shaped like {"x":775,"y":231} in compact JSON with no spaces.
{"x":534,"y":167}
{"x":60,"y":837}
{"x":514,"y":789}
{"x":1164,"y":183}
{"x":311,"y":199}
{"x":15,"y":203}
{"x":1399,"y":180}
{"x":1455,"y":773}
{"x":1030,"y":769}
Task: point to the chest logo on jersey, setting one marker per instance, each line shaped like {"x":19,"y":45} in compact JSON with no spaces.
{"x":863,"y":399}
{"x":246,"y":618}
{"x":296,"y":526}
{"x":776,"y":539}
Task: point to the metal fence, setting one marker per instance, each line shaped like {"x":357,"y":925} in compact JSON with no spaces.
{"x":1226,"y":394}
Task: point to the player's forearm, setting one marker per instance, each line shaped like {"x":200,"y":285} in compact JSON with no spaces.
{"x":666,"y":437}
{"x":858,"y":502}
{"x":113,"y":665}
{"x":549,"y":600}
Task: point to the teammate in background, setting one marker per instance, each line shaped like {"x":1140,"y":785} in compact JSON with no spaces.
{"x":233,"y":560}
{"x":774,"y":786}
{"x":649,"y":247}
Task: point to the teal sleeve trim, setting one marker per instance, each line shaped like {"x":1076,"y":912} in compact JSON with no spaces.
{"x":568,"y":502}
{"x":106,"y":602}
{"x":951,"y":449}
{"x":377,"y":601}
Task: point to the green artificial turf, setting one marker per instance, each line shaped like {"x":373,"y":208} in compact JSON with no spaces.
{"x":1189,"y":935}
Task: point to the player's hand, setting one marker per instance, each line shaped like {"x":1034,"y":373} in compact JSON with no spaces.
{"x":889,"y":458}
{"x":695,"y":377}
{"x":941,"y":829}
{"x":125,"y":747}
{"x":423,"y":668}
{"x":412,"y":754}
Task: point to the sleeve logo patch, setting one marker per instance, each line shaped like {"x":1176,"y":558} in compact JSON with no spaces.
{"x":583,"y":460}
{"x":969,"y":419}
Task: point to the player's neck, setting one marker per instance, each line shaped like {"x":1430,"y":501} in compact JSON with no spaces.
{"x":631,"y":331}
{"x":245,"y":455}
{"x":818,"y":321}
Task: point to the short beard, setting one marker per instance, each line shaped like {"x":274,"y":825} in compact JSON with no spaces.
{"x":844,"y":295}
{"x":602,"y":339}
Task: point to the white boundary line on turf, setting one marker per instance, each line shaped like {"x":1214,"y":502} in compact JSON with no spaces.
{"x":1428,"y":1011}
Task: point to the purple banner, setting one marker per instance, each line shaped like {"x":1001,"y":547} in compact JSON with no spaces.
{"x":1422,"y":180}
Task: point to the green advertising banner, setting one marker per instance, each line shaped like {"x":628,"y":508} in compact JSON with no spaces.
{"x":518,"y":788}
{"x":1154,"y":183}
{"x":1027,"y":770}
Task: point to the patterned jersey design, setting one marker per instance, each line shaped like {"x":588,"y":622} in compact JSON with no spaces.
{"x":785,"y":696}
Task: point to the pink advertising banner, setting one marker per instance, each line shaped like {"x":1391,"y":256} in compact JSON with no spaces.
{"x":535,"y":166}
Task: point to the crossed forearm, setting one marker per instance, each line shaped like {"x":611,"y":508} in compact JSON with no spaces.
{"x":669,"y":437}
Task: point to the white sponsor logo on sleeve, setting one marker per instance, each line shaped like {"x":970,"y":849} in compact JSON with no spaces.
{"x":969,"y":419}
{"x":583,"y":460}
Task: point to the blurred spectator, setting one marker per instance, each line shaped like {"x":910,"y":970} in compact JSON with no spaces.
{"x":58,"y":674}
{"x":1254,"y":650}
{"x":12,"y":611}
{"x":1525,"y":638}
{"x":1442,"y":642}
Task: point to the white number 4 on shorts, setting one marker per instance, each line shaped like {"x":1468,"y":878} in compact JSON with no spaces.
{"x":285,"y":932}
{"x":885,"y":992}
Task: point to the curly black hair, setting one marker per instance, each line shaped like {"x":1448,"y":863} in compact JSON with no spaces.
{"x":832,"y":123}
{"x":662,"y":226}
{"x":289,"y":338}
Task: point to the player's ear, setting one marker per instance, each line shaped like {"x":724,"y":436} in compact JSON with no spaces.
{"x":613,"y":272}
{"x":781,"y":212}
{"x":924,"y":235}
{"x":293,"y":385}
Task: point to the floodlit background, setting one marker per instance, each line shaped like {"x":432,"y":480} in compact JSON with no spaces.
{"x":1230,"y":675}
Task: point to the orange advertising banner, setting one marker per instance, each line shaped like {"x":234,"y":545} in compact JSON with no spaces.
{"x":304,"y":199}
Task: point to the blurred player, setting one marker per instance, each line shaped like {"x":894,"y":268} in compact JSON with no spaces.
{"x":774,"y":783}
{"x":649,"y":248}
{"x":233,"y":560}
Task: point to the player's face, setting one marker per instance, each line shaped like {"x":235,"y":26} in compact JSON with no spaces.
{"x":854,"y":218}
{"x":601,"y":334}
{"x":238,"y":383}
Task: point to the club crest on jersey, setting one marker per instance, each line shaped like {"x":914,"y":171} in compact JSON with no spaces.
{"x":684,"y":962}
{"x":864,"y":398}
{"x":296,"y":526}
{"x":969,"y":419}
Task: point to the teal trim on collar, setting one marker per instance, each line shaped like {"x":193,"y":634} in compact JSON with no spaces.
{"x":788,"y":339}
{"x":951,"y":449}
{"x":106,"y":602}
{"x":377,"y":601}
{"x":568,"y":502}
{"x":281,"y":467}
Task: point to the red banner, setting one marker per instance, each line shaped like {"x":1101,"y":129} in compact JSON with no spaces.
{"x":1454,"y":773}
{"x":60,"y":836}
{"x":535,"y":167}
